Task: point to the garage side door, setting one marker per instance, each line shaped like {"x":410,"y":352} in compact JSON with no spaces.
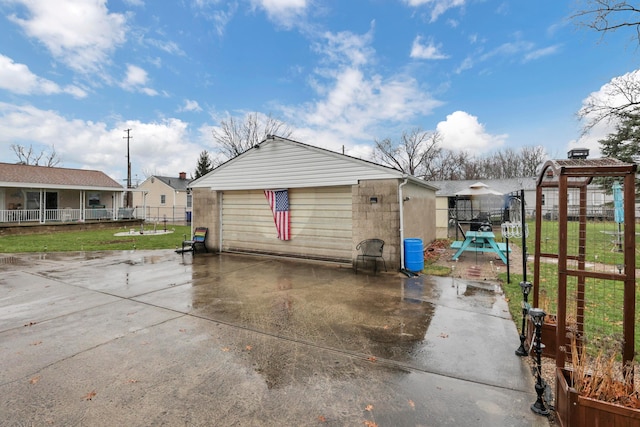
{"x":320,"y":223}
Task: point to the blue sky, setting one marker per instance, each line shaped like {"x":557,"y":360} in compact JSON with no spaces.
{"x":74,"y":74}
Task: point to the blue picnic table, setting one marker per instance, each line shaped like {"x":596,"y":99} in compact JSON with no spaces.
{"x":480,"y":241}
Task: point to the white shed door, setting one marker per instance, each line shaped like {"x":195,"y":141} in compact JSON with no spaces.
{"x":320,"y":223}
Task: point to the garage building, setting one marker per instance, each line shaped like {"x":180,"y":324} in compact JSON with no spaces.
{"x":334,"y":202}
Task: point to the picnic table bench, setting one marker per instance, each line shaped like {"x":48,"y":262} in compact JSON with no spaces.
{"x":480,"y":241}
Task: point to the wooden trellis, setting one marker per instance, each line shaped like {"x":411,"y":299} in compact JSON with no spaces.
{"x":573,"y":176}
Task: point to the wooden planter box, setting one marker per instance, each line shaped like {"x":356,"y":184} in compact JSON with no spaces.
{"x":573,"y":410}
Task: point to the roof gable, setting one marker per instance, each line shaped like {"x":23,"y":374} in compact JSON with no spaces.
{"x":19,"y":175}
{"x":282,"y":163}
{"x":171,"y":181}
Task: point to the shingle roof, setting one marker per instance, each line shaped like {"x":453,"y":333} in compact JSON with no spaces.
{"x":175,"y":182}
{"x":18,"y":175}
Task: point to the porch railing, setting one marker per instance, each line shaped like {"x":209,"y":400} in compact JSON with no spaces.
{"x":65,"y":215}
{"x":18,"y":216}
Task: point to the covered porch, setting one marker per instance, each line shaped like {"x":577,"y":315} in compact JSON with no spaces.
{"x":44,"y":205}
{"x":37,"y":194}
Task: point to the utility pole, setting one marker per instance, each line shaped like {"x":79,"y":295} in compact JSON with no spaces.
{"x":128,"y":137}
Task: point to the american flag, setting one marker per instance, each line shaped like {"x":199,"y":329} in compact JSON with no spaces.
{"x":279,"y":204}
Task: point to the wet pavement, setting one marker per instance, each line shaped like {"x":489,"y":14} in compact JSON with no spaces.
{"x":156,"y":338}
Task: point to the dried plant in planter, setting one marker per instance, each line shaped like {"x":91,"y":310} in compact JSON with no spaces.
{"x":601,"y":377}
{"x":545,"y":304}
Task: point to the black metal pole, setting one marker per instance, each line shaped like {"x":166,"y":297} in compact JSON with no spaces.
{"x":508,"y":271}
{"x":526,"y":288}
{"x":524,"y":236}
{"x":539,"y":407}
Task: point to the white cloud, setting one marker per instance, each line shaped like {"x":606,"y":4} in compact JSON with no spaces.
{"x":515,"y":50}
{"x":462,"y":131}
{"x":167,"y":46}
{"x":81,"y":34}
{"x":159,"y":146}
{"x":283,"y":12}
{"x":509,"y":49}
{"x":438,"y":7}
{"x":355,"y":103}
{"x":190,"y":105}
{"x":539,"y":53}
{"x":219,"y":17}
{"x":618,"y":92}
{"x":17,"y":78}
{"x":136,"y":76}
{"x":346,"y":48}
{"x":426,"y":51}
{"x":136,"y":79}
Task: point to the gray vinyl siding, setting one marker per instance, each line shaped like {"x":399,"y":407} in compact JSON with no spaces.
{"x":285,"y":164}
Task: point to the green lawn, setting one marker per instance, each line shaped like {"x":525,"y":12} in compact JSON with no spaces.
{"x":94,"y":240}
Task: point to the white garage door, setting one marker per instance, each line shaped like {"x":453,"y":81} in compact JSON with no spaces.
{"x":320,"y":223}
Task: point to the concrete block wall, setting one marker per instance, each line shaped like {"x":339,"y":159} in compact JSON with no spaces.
{"x":206,"y":213}
{"x":377,"y":220}
{"x":419,"y":213}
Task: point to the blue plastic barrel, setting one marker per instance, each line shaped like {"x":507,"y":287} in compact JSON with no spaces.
{"x":413,"y":254}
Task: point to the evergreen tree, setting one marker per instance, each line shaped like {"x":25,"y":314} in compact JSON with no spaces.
{"x":623,"y":145}
{"x":205,"y":165}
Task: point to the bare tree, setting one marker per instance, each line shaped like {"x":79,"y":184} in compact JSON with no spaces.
{"x":509,"y":163}
{"x":410,"y":154}
{"x":532,"y":158}
{"x":620,"y":98}
{"x":622,"y":95}
{"x":610,"y":15}
{"x":447,"y":165}
{"x":28,"y":156}
{"x":235,"y":136}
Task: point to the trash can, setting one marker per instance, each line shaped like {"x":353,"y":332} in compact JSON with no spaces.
{"x":413,"y":255}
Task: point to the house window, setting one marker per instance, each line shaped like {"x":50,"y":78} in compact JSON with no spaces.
{"x":189,"y":200}
{"x":33,"y":200}
{"x":163,"y":199}
{"x":94,"y":199}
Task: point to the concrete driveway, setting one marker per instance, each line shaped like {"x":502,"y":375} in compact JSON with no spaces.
{"x":155,"y":338}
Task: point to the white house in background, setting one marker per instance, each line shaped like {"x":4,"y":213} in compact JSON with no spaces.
{"x":40,"y":194}
{"x":163,"y":197}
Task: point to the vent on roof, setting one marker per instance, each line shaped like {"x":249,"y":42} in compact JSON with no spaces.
{"x":578,"y":153}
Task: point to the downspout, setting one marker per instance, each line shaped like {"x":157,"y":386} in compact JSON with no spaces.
{"x":400,"y":204}
{"x":220,"y":199}
{"x":144,"y":205}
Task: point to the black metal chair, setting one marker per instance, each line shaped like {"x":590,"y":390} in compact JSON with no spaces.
{"x":371,"y":249}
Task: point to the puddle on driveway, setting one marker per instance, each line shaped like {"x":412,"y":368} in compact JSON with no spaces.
{"x":384,"y":316}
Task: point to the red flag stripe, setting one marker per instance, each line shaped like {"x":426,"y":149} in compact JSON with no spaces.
{"x":279,"y":204}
